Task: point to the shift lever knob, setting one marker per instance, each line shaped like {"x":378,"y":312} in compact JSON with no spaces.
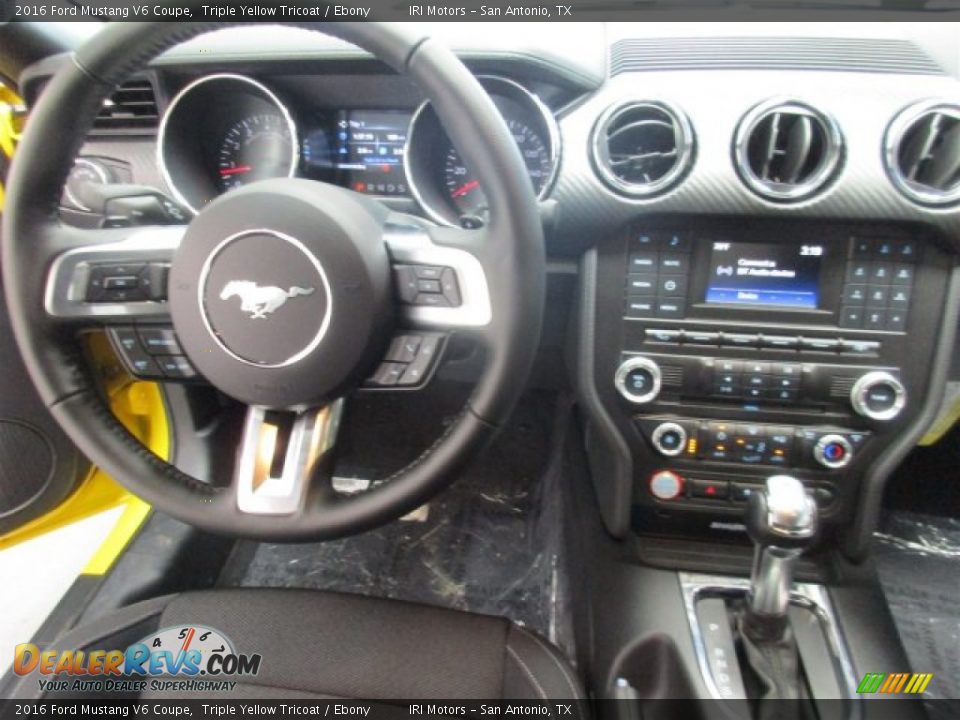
{"x":782,"y":522}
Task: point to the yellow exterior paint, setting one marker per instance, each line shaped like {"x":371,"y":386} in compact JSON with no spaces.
{"x":139,"y":406}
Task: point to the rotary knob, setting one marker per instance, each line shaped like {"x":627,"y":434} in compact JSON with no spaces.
{"x":669,"y":439}
{"x":666,"y":485}
{"x":833,"y":451}
{"x":878,"y":395}
{"x":638,"y":380}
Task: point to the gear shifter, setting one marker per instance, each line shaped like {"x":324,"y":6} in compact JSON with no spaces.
{"x":782,"y":522}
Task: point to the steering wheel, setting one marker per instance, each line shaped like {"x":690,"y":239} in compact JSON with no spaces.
{"x":331,"y":251}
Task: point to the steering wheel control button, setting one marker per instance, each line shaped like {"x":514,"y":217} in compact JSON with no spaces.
{"x":176,"y":367}
{"x":638,"y":380}
{"x":410,"y":361}
{"x":427,"y":285}
{"x":115,"y":283}
{"x":159,"y":341}
{"x":878,"y":395}
{"x":833,"y":451}
{"x":666,"y":485}
{"x":137,"y":360}
{"x":670,"y":439}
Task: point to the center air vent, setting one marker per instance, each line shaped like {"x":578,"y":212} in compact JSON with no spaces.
{"x":131,"y":108}
{"x":923,"y":153}
{"x":642,"y":148}
{"x":786,"y":150}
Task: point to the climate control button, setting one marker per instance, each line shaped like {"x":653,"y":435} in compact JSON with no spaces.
{"x":638,"y":379}
{"x":666,"y":485}
{"x":833,"y":451}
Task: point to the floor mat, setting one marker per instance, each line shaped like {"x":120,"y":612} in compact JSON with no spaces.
{"x":918,"y":558}
{"x":489,"y":544}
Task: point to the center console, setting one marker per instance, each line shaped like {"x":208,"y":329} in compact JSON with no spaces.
{"x":726,"y":351}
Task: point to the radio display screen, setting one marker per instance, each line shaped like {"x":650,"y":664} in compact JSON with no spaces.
{"x":781,"y":275}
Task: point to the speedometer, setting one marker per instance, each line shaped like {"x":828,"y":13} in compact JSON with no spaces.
{"x":464,"y":189}
{"x":258,"y":147}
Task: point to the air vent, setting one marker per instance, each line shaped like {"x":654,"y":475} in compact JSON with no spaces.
{"x":922,"y":153}
{"x":642,"y":148}
{"x":132,"y":107}
{"x":786,"y":150}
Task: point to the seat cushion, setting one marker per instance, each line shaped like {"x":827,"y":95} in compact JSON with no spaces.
{"x":333,"y":645}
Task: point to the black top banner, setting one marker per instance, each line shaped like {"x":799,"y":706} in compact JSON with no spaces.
{"x":477,"y":10}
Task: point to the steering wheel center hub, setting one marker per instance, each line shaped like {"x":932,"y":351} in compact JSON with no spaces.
{"x":276,"y":301}
{"x":265,"y":298}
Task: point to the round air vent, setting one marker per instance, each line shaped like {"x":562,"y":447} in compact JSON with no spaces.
{"x":922,"y":153}
{"x":786,"y":150}
{"x":642,"y":148}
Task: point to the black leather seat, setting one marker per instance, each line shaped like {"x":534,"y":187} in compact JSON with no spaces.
{"x":331,"y":645}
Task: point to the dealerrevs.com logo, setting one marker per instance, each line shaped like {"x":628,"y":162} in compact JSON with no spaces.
{"x":183,"y":658}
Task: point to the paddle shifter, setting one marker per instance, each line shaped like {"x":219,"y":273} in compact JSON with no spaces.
{"x":782,"y":522}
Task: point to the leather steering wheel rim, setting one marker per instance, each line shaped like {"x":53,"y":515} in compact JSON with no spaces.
{"x":513,"y":258}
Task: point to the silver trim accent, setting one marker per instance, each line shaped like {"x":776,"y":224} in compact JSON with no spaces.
{"x":553,"y":137}
{"x":651,"y":483}
{"x":97,"y":168}
{"x":858,"y":395}
{"x":162,"y":130}
{"x":791,"y":512}
{"x":620,"y":379}
{"x":66,"y":290}
{"x":664,"y":428}
{"x":202,"y":284}
{"x":413,"y":245}
{"x":780,"y":191}
{"x":684,"y":139}
{"x":922,"y":194}
{"x":820,"y":456}
{"x":807,"y":595}
{"x":313,"y":435}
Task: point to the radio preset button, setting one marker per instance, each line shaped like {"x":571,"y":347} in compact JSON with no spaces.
{"x":698,"y":337}
{"x":828,"y":345}
{"x":741,"y":340}
{"x":780,"y":342}
{"x":663,"y":336}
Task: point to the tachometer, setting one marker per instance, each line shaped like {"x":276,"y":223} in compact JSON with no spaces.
{"x":442,"y":183}
{"x":464,"y":189}
{"x":255,"y":148}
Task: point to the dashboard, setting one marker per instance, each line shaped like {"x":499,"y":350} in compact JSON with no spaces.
{"x":223,"y":131}
{"x":763,"y":230}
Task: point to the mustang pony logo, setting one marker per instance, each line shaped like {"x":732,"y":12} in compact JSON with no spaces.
{"x":260,"y":301}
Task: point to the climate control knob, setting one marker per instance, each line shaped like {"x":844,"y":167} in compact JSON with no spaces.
{"x":638,"y":380}
{"x":878,"y":395}
{"x":666,"y":485}
{"x":669,"y":439}
{"x":833,"y":451}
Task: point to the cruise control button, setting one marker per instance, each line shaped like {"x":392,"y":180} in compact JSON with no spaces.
{"x":428,"y":286}
{"x":406,"y":280}
{"x":431,"y":300}
{"x":450,"y":287}
{"x":159,"y":341}
{"x":176,"y":367}
{"x":403,"y":349}
{"x":428,"y":272}
{"x":389,"y":374}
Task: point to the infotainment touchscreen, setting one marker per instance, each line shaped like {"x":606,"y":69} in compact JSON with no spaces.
{"x":765,"y":274}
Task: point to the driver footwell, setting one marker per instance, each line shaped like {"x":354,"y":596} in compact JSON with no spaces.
{"x":918,"y":559}
{"x":489,"y":544}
